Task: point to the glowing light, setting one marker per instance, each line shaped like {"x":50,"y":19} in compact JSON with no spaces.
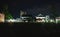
{"x":2,"y":17}
{"x":40,"y":20}
{"x":40,"y":17}
{"x":51,"y":20}
{"x":26,"y":21}
{"x":11,"y":20}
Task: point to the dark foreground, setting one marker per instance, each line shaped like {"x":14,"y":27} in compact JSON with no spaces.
{"x":29,"y":29}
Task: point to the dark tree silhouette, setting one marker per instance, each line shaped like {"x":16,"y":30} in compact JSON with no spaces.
{"x":53,"y":10}
{"x":6,"y":12}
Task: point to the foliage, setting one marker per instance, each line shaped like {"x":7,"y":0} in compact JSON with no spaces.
{"x":6,"y":12}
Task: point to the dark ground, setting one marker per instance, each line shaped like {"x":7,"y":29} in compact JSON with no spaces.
{"x":29,"y":29}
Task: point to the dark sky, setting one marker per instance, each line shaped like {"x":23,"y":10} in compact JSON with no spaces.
{"x":17,"y":5}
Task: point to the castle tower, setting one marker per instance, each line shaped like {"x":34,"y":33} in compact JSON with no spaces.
{"x":22,"y":13}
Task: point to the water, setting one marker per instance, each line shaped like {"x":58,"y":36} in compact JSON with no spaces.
{"x":17,"y":29}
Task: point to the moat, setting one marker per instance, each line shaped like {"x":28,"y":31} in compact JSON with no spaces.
{"x":14,"y":29}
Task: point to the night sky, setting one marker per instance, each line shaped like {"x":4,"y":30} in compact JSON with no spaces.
{"x":33,"y":7}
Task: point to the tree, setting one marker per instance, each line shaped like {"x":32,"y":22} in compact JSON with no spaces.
{"x":53,"y":10}
{"x":6,"y":12}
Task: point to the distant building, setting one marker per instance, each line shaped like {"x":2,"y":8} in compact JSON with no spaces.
{"x":19,"y":20}
{"x":27,"y":18}
{"x":57,"y":19}
{"x":22,"y":13}
{"x":2,"y":17}
{"x":40,"y":18}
